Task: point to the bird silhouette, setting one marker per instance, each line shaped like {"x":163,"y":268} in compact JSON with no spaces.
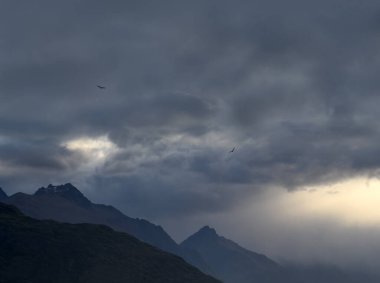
{"x":232,"y":150}
{"x":101,"y":87}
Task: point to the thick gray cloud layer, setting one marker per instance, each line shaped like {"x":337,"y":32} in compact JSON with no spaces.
{"x":291,"y":84}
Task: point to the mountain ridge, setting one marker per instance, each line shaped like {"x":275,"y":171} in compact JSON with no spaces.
{"x":230,"y":262}
{"x":205,"y":249}
{"x":44,"y":251}
{"x":65,"y":203}
{"x":67,"y":191}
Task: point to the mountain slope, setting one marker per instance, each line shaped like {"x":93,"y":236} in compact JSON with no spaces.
{"x":3,"y":195}
{"x":232,"y":263}
{"x":65,"y":203}
{"x":36,"y":251}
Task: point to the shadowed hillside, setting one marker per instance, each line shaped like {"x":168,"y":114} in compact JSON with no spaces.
{"x":65,"y":203}
{"x":3,"y":195}
{"x":37,"y":251}
{"x":232,"y":263}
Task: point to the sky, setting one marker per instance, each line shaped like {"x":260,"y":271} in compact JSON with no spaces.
{"x":292,"y":85}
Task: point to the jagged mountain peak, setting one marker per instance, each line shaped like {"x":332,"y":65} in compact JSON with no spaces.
{"x":205,"y":233}
{"x":65,"y":203}
{"x":57,"y":189}
{"x":207,"y":230}
{"x":231,"y":262}
{"x":67,"y":191}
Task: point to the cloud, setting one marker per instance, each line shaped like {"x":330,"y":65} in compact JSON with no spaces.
{"x":291,"y":84}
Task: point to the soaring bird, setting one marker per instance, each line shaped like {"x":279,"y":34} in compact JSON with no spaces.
{"x":101,"y":87}
{"x":232,"y":150}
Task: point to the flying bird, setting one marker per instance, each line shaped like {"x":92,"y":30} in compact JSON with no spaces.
{"x":232,"y":150}
{"x":101,"y":87}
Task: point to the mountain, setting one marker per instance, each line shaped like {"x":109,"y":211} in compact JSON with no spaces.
{"x":41,"y":251}
{"x":67,"y":191}
{"x":211,"y":253}
{"x":232,"y":263}
{"x":65,"y":203}
{"x":3,"y":195}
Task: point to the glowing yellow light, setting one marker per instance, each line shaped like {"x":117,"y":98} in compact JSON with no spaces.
{"x":355,"y":201}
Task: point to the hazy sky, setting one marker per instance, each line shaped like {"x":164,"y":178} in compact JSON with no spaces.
{"x":293,"y":85}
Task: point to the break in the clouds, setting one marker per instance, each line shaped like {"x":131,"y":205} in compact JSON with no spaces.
{"x":293,"y":85}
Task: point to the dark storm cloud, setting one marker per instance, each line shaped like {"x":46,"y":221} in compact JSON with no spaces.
{"x":35,"y":156}
{"x":291,"y":84}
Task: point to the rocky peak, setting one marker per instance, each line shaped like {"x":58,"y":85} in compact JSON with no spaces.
{"x":205,"y":234}
{"x":68,"y":191}
{"x":207,"y":230}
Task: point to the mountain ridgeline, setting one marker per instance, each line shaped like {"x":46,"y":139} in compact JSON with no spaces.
{"x":65,"y":203}
{"x":43,"y":251}
{"x":206,"y":250}
{"x":231,"y":262}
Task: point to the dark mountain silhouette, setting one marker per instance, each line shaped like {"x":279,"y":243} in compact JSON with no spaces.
{"x":232,"y":263}
{"x":67,"y":191}
{"x":37,"y":251}
{"x":3,"y":195}
{"x":65,"y":203}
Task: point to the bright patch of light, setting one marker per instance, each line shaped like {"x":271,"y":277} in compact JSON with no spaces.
{"x":96,"y":149}
{"x":354,"y":202}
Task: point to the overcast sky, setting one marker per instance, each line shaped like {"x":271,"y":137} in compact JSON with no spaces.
{"x":293,"y":85}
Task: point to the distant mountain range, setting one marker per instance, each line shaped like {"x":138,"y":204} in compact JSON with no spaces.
{"x":65,"y":203}
{"x":206,"y":250}
{"x":41,"y":251}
